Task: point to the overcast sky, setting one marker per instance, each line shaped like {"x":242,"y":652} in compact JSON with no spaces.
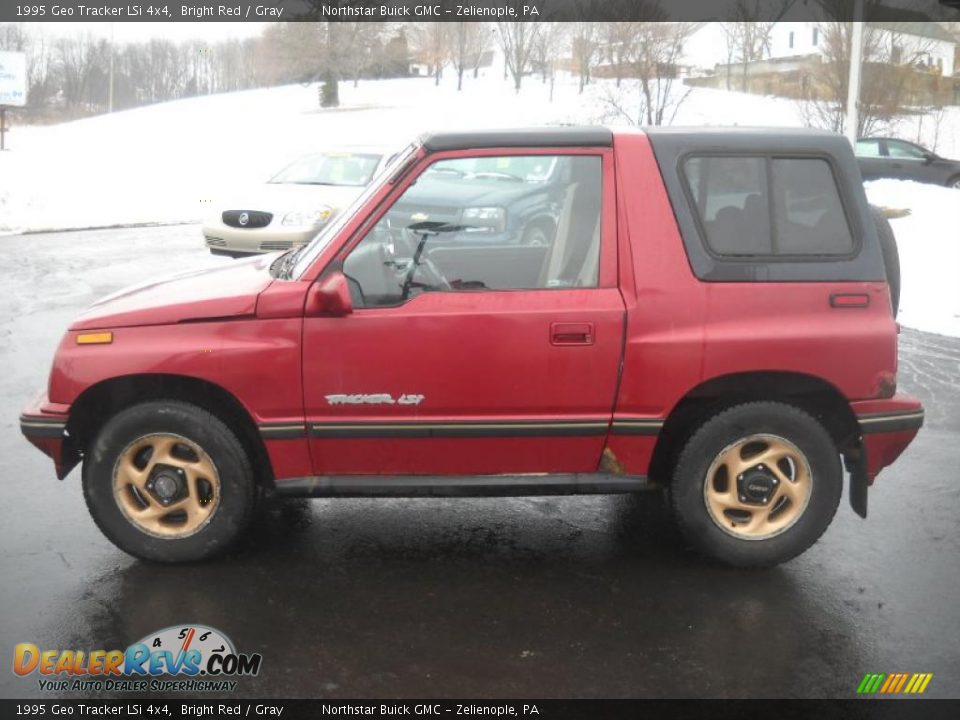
{"x":139,"y":31}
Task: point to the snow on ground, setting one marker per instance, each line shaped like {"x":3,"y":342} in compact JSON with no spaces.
{"x":928,"y":240}
{"x":169,"y":163}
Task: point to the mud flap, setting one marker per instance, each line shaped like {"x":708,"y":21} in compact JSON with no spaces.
{"x":856,"y":463}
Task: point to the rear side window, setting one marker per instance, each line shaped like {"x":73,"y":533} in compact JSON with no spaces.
{"x":807,"y":210}
{"x":758,"y":206}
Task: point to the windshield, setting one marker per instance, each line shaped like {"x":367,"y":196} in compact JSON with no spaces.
{"x":310,"y":252}
{"x":337,"y":168}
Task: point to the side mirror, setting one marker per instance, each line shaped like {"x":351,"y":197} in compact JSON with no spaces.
{"x":329,"y":297}
{"x":929,"y":157}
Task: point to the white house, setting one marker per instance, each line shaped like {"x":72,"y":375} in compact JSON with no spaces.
{"x":920,"y":44}
{"x":705,"y":48}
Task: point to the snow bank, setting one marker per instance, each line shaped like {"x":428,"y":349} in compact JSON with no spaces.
{"x":929,"y":243}
{"x":169,"y":163}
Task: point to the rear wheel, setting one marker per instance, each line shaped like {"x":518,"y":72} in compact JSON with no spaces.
{"x":168,"y":481}
{"x":757,"y":484}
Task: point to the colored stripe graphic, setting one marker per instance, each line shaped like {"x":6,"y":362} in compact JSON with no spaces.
{"x":894,"y":683}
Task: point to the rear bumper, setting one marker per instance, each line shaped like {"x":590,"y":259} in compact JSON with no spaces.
{"x":887,"y":427}
{"x":44,"y":424}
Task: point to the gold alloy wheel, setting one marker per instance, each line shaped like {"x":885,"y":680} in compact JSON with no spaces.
{"x":166,"y":485}
{"x":757,"y":487}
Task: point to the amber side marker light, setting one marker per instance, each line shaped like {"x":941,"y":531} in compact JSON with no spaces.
{"x":98,"y":338}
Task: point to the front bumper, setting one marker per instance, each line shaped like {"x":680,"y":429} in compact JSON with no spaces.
{"x":44,"y":424}
{"x":887,"y":427}
{"x":223,"y":239}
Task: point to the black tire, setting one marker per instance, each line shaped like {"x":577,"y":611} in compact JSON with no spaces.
{"x":891,"y":256}
{"x":540,"y":234}
{"x":236,"y":480}
{"x":954,"y":182}
{"x":687,"y":490}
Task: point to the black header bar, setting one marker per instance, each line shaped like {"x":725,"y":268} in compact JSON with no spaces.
{"x":213,"y":707}
{"x":470,"y":10}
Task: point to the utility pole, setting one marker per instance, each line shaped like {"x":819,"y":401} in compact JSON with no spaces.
{"x":856,"y":68}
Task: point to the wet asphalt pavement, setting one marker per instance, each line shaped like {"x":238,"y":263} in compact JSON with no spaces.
{"x":489,"y":598}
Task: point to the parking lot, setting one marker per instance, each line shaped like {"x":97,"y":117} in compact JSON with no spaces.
{"x":520,"y":597}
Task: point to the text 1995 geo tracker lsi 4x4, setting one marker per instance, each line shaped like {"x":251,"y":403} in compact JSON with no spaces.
{"x":712,"y":311}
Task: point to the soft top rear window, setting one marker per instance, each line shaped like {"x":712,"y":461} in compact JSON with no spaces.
{"x":763,"y":206}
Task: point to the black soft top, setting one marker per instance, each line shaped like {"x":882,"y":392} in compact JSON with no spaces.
{"x":598,"y":136}
{"x":519,"y":137}
{"x":676,"y":141}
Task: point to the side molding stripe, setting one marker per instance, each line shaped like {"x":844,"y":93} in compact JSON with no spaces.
{"x":454,"y":429}
{"x":283,"y":431}
{"x":458,"y":429}
{"x":637,"y":427}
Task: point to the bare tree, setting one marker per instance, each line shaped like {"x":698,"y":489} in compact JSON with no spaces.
{"x":468,"y":43}
{"x":549,"y":43}
{"x":361,"y":42}
{"x":936,"y":113}
{"x":433,"y":44}
{"x":330,"y":55}
{"x":748,"y":35}
{"x":620,"y":40}
{"x":887,"y":68}
{"x":659,"y":51}
{"x":484,"y":39}
{"x":13,"y":37}
{"x":517,"y":40}
{"x":586,"y":47}
{"x":75,"y":62}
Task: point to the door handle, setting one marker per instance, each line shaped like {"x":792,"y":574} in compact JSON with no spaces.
{"x":571,"y":334}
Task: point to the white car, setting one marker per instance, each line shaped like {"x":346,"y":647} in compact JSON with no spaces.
{"x":291,"y":207}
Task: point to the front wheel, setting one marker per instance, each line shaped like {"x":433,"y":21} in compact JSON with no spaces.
{"x":169,"y":482}
{"x":539,"y":234}
{"x":757,"y":484}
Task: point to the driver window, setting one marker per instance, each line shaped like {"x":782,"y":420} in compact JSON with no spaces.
{"x":903,"y":150}
{"x":513,"y":222}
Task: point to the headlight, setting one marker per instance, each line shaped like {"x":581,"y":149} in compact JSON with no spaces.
{"x":485,"y":219}
{"x":308,"y":218}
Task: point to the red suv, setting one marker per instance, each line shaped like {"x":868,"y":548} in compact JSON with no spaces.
{"x":711,"y":311}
